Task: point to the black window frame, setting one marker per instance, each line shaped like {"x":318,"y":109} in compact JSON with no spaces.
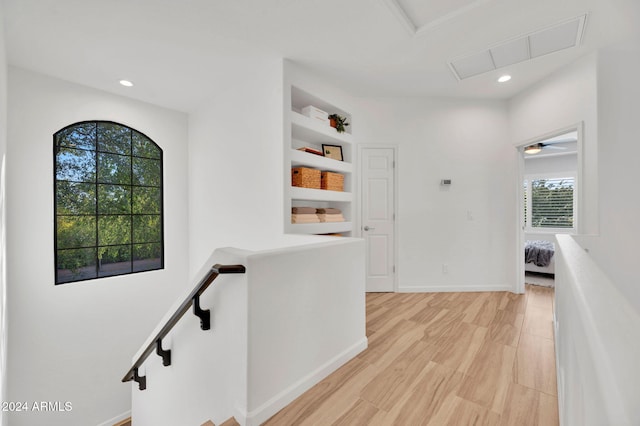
{"x":135,"y":138}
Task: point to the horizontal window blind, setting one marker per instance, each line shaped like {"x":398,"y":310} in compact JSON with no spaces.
{"x":552,"y":203}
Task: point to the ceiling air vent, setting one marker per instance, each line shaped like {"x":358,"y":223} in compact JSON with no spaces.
{"x":564,"y":35}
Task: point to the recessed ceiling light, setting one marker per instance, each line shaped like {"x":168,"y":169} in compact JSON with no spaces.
{"x":126,"y":83}
{"x":504,"y":78}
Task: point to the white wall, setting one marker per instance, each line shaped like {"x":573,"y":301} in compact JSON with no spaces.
{"x":541,"y":165}
{"x":3,"y":150}
{"x":235,"y":164}
{"x":74,"y":342}
{"x":600,"y":91}
{"x":564,"y":99}
{"x":208,"y":373}
{"x":619,"y":151}
{"x":470,"y":225}
{"x":277,"y":330}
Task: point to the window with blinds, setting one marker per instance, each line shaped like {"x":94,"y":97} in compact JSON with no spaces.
{"x":550,"y":203}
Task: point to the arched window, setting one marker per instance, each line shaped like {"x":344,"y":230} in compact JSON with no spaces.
{"x":108,"y":202}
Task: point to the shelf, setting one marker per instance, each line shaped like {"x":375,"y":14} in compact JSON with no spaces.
{"x":302,"y":131}
{"x":300,"y":158}
{"x":300,"y":99}
{"x":297,"y":193}
{"x":320,"y":228}
{"x":310,"y":130}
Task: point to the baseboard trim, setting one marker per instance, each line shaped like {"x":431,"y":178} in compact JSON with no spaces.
{"x":284,"y":398}
{"x":116,"y":419}
{"x":453,"y":288}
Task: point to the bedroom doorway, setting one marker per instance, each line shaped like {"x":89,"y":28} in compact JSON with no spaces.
{"x":549,"y":172}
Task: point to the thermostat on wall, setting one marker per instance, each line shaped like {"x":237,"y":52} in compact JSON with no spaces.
{"x":445,"y":182}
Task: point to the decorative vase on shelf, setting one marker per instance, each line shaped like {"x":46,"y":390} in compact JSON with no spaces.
{"x":338,"y":122}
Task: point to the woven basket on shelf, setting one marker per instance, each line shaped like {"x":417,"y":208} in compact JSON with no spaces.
{"x":332,"y":181}
{"x":305,"y":177}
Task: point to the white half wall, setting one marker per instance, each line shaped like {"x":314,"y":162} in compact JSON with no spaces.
{"x":565,"y":98}
{"x":597,"y":335}
{"x":235,"y":164}
{"x":294,"y":317}
{"x":74,"y":342}
{"x":306,"y":318}
{"x":459,"y":237}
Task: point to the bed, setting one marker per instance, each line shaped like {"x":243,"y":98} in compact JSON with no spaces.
{"x":538,"y":256}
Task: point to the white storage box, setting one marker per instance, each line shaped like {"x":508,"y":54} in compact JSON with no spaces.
{"x":315,"y":113}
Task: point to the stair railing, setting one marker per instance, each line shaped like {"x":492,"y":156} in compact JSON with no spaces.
{"x":192,"y":300}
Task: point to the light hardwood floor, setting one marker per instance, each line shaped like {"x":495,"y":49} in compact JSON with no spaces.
{"x":443,"y":359}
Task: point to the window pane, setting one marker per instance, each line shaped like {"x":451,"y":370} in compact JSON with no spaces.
{"x":146,"y":200}
{"x":114,"y":260}
{"x":114,"y":138}
{"x":76,"y":231}
{"x":114,"y":199}
{"x":552,"y":203}
{"x":146,"y":172}
{"x":114,"y":169}
{"x":114,"y":230}
{"x":75,"y":165}
{"x":108,"y":194}
{"x":75,"y":265}
{"x":147,"y":257}
{"x":75,"y":198}
{"x":147,"y":229}
{"x":144,"y":147}
{"x":79,"y":136}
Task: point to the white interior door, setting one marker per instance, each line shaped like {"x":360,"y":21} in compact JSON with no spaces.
{"x":378,"y":216}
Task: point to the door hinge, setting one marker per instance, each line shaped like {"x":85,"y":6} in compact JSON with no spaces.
{"x":394,"y":216}
{"x":393,"y":164}
{"x":394,"y":269}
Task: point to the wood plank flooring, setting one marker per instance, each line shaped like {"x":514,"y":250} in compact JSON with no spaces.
{"x":443,"y":359}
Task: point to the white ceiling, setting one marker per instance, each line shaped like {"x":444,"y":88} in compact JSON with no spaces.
{"x":565,"y":35}
{"x":179,"y":53}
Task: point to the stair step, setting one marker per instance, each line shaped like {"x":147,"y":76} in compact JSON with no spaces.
{"x":231,"y":422}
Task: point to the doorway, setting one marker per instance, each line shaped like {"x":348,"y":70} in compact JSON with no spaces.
{"x":377,"y":215}
{"x":549,"y":183}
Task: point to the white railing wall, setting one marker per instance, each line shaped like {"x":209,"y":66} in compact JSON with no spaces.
{"x":295,"y":316}
{"x":597,"y":335}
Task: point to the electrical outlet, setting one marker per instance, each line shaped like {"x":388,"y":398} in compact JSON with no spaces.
{"x":445,"y":268}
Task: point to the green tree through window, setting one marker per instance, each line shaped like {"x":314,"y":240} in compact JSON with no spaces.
{"x":108,"y":202}
{"x":551,"y":203}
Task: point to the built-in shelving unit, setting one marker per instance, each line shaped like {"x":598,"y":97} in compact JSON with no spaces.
{"x":302,"y":131}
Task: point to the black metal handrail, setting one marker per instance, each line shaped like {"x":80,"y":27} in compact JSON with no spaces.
{"x":192,"y":300}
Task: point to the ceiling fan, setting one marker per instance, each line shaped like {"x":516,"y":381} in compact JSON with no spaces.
{"x":551,"y":143}
{"x":537,"y":147}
